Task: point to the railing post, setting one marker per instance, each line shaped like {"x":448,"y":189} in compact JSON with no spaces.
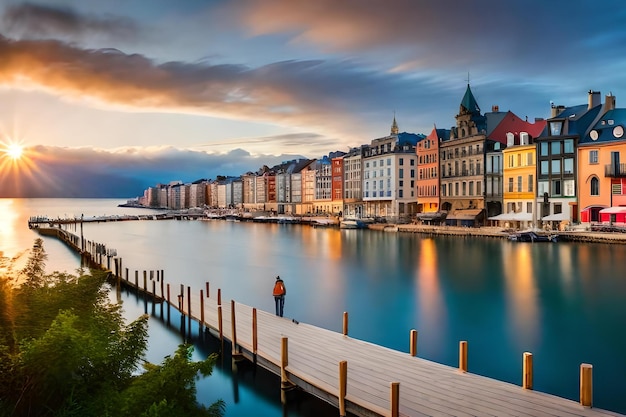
{"x":207,"y":289}
{"x":345,"y":323}
{"x":168,"y":294}
{"x":463,"y":356}
{"x":136,"y":279}
{"x":284,"y":362}
{"x":254,"y":332}
{"x":527,"y":371}
{"x":145,"y":281}
{"x":413,"y":343}
{"x":189,"y":301}
{"x":395,"y":399}
{"x":343,"y":387}
{"x":219,"y":296}
{"x":586,"y":385}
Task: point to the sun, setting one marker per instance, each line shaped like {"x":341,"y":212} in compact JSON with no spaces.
{"x":14,"y":151}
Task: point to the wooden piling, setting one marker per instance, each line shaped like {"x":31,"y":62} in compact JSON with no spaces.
{"x":413,"y":343}
{"x":463,"y":356}
{"x":219,"y":323}
{"x":145,"y":280}
{"x":125,"y":270}
{"x":345,"y":323}
{"x":527,"y":371}
{"x":136,"y":279}
{"x":201,"y":308}
{"x":343,"y":387}
{"x":255,"y":340}
{"x":168,"y":294}
{"x":189,"y":301}
{"x":154,"y":288}
{"x":219,"y":296}
{"x":284,"y":361}
{"x":586,"y":385}
{"x":233,"y":326}
{"x":395,"y":399}
{"x":207,"y":289}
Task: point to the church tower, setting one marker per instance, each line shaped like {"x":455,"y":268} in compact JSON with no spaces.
{"x":394,"y":127}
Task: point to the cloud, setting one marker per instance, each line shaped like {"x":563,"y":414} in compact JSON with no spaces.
{"x":47,"y":171}
{"x":37,"y":20}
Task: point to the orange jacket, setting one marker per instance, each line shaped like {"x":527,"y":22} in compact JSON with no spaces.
{"x":279,"y":288}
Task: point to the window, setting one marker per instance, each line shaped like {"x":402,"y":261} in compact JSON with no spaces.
{"x":401,"y":173}
{"x":568,"y":166}
{"x":529,"y":207}
{"x":595,"y":186}
{"x":412,"y":162}
{"x":400,"y":193}
{"x":478,"y":188}
{"x":374,"y":164}
{"x":464,"y":185}
{"x":412,"y":173}
{"x":511,"y":184}
{"x":555,"y":148}
{"x":568,"y":146}
{"x":471,"y":187}
{"x":531,"y":182}
{"x":568,"y":188}
{"x":555,"y":128}
{"x":529,"y":159}
{"x":400,"y":162}
{"x":519,"y":184}
{"x":381,"y":184}
{"x":545,"y":168}
{"x":542,"y":188}
{"x":543,"y":149}
{"x":556,"y":187}
{"x":456,"y":188}
{"x":593,"y":157}
{"x":556,"y":166}
{"x":558,"y":208}
{"x":400,"y":183}
{"x":389,"y":172}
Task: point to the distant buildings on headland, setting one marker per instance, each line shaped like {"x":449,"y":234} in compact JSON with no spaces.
{"x":491,"y":168}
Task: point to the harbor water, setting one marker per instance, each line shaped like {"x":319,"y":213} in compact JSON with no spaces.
{"x":564,"y":302}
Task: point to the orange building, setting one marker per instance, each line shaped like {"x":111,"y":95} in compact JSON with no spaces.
{"x":427,"y":183}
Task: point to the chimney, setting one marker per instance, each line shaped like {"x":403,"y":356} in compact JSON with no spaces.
{"x":609,"y":103}
{"x":556,"y":110}
{"x":495,"y":108}
{"x":594,"y":99}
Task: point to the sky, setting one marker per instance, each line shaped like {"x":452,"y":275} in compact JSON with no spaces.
{"x":112,"y":96}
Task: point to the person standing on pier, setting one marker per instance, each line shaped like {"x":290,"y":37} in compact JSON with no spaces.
{"x":279,"y":295}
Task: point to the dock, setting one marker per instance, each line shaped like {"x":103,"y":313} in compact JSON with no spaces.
{"x":355,"y":376}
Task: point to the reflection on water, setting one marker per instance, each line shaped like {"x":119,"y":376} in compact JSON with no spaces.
{"x":562,"y":302}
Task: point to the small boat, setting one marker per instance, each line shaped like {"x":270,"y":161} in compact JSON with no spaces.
{"x":348,"y":223}
{"x":531,"y":236}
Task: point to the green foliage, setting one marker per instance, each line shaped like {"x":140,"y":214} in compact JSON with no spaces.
{"x":65,"y":350}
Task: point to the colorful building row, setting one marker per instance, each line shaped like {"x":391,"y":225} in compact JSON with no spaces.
{"x":489,"y":168}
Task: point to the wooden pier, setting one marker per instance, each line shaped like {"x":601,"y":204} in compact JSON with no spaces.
{"x":355,"y":376}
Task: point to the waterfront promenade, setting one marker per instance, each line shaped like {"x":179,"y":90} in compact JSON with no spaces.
{"x":378,"y":381}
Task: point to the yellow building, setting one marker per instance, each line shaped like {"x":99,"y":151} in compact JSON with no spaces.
{"x":519,"y":176}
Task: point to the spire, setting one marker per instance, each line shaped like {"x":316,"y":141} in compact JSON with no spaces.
{"x":394,"y":125}
{"x":469,"y":103}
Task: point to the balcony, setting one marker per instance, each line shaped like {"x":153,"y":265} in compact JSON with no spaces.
{"x":615,"y":170}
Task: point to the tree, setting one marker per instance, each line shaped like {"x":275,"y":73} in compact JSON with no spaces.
{"x":65,"y":350}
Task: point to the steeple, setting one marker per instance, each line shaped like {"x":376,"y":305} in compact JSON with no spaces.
{"x":394,"y":126}
{"x":469,"y":104}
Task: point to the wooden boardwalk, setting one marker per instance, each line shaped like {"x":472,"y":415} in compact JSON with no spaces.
{"x":426,"y":388}
{"x":380,"y":381}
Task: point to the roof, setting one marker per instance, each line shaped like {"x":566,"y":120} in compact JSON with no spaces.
{"x":555,"y":217}
{"x":613,"y":210}
{"x":493,"y":120}
{"x":520,"y":217}
{"x":512,"y":123}
{"x":577,"y":119}
{"x":605,"y":128}
{"x":469,"y":102}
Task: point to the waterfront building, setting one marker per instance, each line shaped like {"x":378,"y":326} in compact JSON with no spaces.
{"x":323,"y":185}
{"x":212,"y":194}
{"x":289,"y":185}
{"x":389,"y":174}
{"x":461,"y":165}
{"x":336,"y":185}
{"x":308,"y":188}
{"x":352,"y":182}
{"x":602,"y":175}
{"x":556,"y":161}
{"x":427,"y":181}
{"x":237,"y":193}
{"x":197,"y":193}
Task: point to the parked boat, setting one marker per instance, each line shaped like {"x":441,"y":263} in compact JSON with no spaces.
{"x":351,"y":223}
{"x":532,"y":236}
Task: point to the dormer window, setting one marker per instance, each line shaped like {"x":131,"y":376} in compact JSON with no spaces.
{"x":556,"y":128}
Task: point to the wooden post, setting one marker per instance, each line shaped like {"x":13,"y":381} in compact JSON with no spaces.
{"x":154,"y":288}
{"x":189,"y":301}
{"x":254,"y":332}
{"x":343,"y":387}
{"x":284,"y":361}
{"x":395,"y":399}
{"x":233,"y":326}
{"x":413,"y":343}
{"x":162,"y":294}
{"x":463,"y":356}
{"x":527,"y":371}
{"x":145,"y":281}
{"x":151,"y":275}
{"x":586,"y":385}
{"x":168,"y":293}
{"x":136,"y":279}
{"x":201,"y":307}
{"x":125,"y":270}
{"x":219,"y":323}
{"x":345,"y":323}
{"x":207,"y":289}
{"x":219,"y":296}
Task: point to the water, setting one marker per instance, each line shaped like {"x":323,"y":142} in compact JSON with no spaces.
{"x":563,"y":302}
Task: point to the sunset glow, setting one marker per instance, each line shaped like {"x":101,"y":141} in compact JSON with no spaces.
{"x":14,"y":151}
